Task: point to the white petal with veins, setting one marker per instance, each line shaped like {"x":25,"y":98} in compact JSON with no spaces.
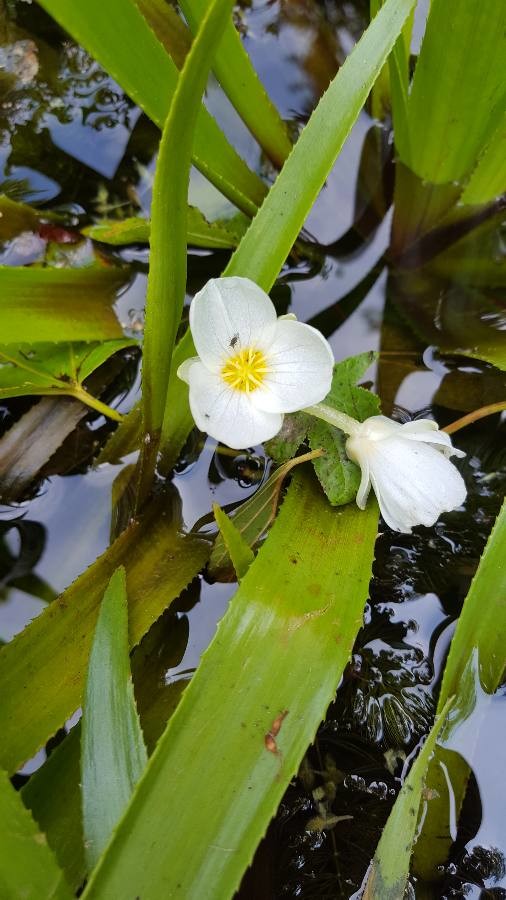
{"x":300,"y":365}
{"x":228,"y":315}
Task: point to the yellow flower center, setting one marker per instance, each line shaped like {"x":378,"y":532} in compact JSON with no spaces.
{"x":246,"y":370}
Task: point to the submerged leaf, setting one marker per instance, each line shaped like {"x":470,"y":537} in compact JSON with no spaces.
{"x":55,"y":369}
{"x":457,"y":318}
{"x":59,"y":304}
{"x":16,"y":217}
{"x":239,"y":550}
{"x":32,"y":441}
{"x":200,"y":232}
{"x":254,"y":516}
{"x":113,"y":754}
{"x":159,"y":561}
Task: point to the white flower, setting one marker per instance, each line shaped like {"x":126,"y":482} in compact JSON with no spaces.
{"x":409,"y":469}
{"x":251,"y":367}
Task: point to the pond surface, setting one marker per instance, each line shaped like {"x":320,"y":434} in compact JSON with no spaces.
{"x":70,"y":140}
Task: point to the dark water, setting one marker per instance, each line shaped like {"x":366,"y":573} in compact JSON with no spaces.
{"x":71,"y":140}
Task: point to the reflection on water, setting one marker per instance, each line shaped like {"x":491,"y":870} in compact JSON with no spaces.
{"x":68,"y":135}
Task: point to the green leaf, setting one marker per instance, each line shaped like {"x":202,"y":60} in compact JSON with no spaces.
{"x":338,"y":476}
{"x":388,"y":875}
{"x":59,"y":304}
{"x":56,"y":644}
{"x":488,"y":179}
{"x":113,"y":754}
{"x":459,"y":319}
{"x":253,"y":517}
{"x":118,"y":36}
{"x":476,"y":259}
{"x":269,"y":239}
{"x":239,"y":550}
{"x":233,"y":69}
{"x":458,"y":90}
{"x":56,"y":369}
{"x":167,"y":271}
{"x":284,"y":445}
{"x":168,"y":27}
{"x":53,"y":792}
{"x":16,"y":217}
{"x":268,"y":677}
{"x":482,"y":619}
{"x":390,"y":91}
{"x":480,"y":631}
{"x":200,"y":232}
{"x":54,"y":797}
{"x":125,"y":439}
{"x":28,"y":870}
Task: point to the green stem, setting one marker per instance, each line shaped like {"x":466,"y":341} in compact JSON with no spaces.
{"x":80,"y":393}
{"x":337,"y":419}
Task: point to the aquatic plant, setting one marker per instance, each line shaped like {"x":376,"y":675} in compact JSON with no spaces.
{"x":184,"y":815}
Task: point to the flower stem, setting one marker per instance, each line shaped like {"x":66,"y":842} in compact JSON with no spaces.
{"x":474,"y":416}
{"x":80,"y":393}
{"x":333,"y":417}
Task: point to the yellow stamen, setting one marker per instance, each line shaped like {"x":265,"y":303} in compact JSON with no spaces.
{"x":246,"y":370}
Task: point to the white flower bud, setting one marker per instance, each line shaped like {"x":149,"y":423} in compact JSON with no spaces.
{"x":409,"y":469}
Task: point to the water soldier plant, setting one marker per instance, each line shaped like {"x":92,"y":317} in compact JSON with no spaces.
{"x":161,"y":793}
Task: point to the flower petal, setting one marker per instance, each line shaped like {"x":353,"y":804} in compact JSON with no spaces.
{"x":417,"y":425}
{"x":183,"y":371}
{"x":365,"y":486}
{"x":226,"y":414}
{"x":230,"y":314}
{"x":301,"y":364}
{"x":414,"y":482}
{"x":439,"y":439}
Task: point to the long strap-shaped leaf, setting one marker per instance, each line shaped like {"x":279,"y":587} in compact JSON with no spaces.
{"x":233,"y":69}
{"x":460,"y":68}
{"x":489,"y":177}
{"x":113,"y":753}
{"x":47,"y":661}
{"x":118,"y":36}
{"x":253,"y":706}
{"x":268,"y":241}
{"x":388,"y":875}
{"x":27,"y":865}
{"x":59,"y":304}
{"x":167,"y":271}
{"x":481,"y":627}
